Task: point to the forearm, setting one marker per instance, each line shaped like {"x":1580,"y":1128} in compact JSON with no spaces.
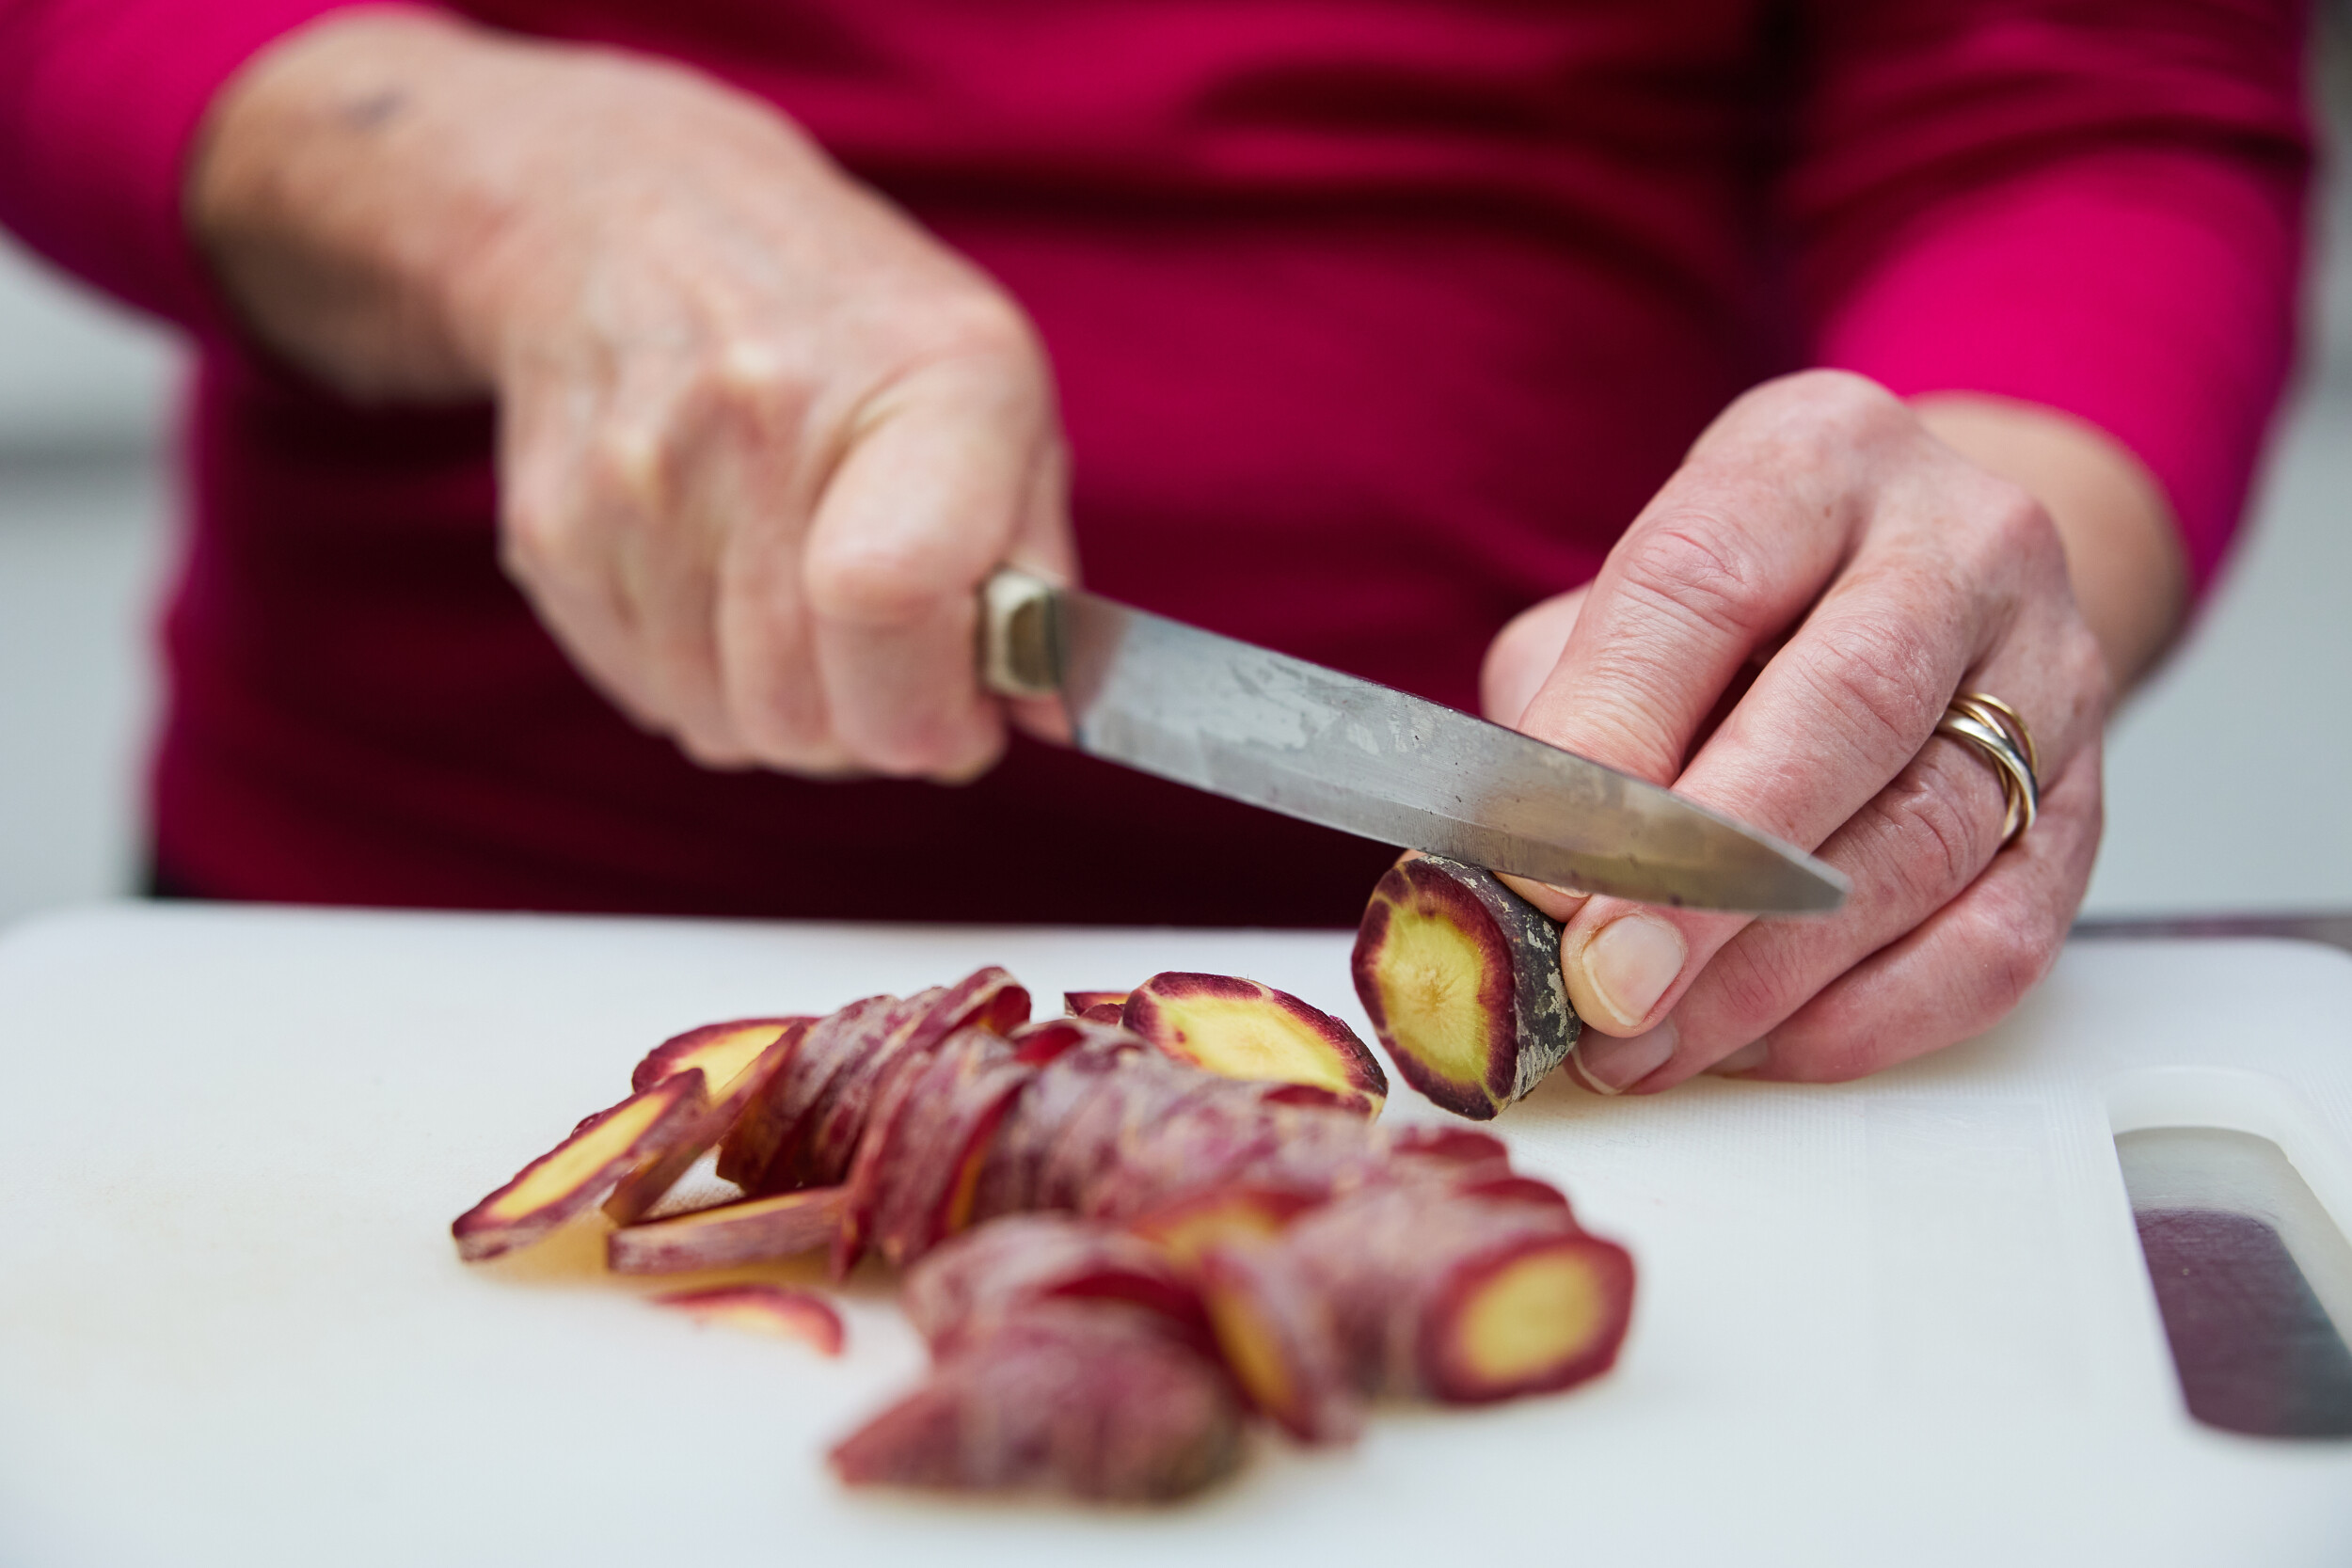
{"x":333,"y":200}
{"x":2123,"y":549}
{"x":385,"y":193}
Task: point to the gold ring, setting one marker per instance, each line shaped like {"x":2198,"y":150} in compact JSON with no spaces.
{"x":1994,"y":728}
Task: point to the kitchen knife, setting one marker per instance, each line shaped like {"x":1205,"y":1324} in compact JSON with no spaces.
{"x":1261,"y":727}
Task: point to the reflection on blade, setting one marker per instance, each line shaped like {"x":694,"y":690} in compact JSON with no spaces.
{"x":1277,"y":732}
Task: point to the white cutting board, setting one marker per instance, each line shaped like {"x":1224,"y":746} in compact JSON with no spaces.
{"x":1901,"y":1322}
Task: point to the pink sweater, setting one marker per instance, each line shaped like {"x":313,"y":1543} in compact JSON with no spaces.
{"x":1374,"y":320}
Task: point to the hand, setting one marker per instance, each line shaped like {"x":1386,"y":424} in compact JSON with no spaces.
{"x":761,"y":437}
{"x":1821,"y":541}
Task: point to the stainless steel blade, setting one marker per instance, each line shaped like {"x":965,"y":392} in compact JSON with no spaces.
{"x":1277,"y":732}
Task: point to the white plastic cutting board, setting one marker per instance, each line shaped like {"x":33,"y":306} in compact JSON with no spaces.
{"x":1899,"y":1321}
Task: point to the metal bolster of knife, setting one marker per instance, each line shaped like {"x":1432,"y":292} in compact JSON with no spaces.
{"x":1020,"y":635}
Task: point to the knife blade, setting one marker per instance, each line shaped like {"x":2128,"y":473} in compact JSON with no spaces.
{"x":1273,"y":731}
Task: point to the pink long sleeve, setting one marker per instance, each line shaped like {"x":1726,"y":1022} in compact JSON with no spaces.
{"x":99,"y":105}
{"x":2093,"y":206}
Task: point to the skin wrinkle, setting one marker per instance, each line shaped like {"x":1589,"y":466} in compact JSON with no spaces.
{"x":1750,"y":984}
{"x":1678,"y":560}
{"x":1929,"y":847}
{"x":1888,"y":713}
{"x":1929,"y":794}
{"x":1648,"y":667}
{"x":1761,"y":975}
{"x":1909,"y":992}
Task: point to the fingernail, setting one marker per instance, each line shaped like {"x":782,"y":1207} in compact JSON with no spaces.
{"x":1746,"y":1059}
{"x":1612,"y":1063}
{"x":1626,"y":968}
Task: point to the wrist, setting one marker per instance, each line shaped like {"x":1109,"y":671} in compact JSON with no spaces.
{"x":327,"y":218}
{"x":2124,"y":548}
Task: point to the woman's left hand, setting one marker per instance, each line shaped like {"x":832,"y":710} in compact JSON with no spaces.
{"x":1820,"y":530}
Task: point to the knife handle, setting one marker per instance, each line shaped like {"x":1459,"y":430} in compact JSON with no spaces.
{"x":1020,"y":635}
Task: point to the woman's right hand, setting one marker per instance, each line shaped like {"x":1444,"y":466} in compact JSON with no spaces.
{"x":761,"y":437}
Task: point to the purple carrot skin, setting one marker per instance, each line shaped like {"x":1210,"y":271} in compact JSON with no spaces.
{"x":569,"y":1178}
{"x":862,"y":1191}
{"x":993,"y":1004}
{"x":1215,"y":1141}
{"x":1084,"y":1399}
{"x":1244,"y":1135}
{"x":1275,"y":1331}
{"x":973,"y":1282}
{"x":1080,"y":1004}
{"x":836,"y":1122}
{"x":824,"y":1063}
{"x":754,"y":1154}
{"x":1424,"y":1309}
{"x":1244,"y":1029}
{"x":646,"y":1185}
{"x":765,"y":1309}
{"x":1461,"y":979}
{"x":1517,"y":1189}
{"x":1311,"y":1096}
{"x":1457,"y":1147}
{"x":1048,"y":1038}
{"x":1188,"y":1228}
{"x":903,"y":1128}
{"x":1070,"y":1064}
{"x":753,"y":1231}
{"x":712,"y":1048}
{"x":1578,"y":1286}
{"x":988,"y":999}
{"x":1103,"y":1127}
{"x":930,"y":1197}
{"x":956,"y":1099}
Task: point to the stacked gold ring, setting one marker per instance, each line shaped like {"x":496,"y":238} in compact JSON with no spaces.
{"x":1994,"y":728}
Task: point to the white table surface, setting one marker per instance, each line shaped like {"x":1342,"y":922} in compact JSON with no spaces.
{"x":1901,"y":1322}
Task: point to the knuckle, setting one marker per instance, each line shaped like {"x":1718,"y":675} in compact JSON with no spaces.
{"x":1751,"y":990}
{"x":1698,"y":566}
{"x":2015,"y":947}
{"x":1817,"y":410}
{"x":544,"y":540}
{"x":2016,"y":519}
{"x":1993,"y":534}
{"x":2082,"y":665}
{"x":758,"y":376}
{"x":982,"y":323}
{"x":1931,"y":844}
{"x":1845,"y":399}
{"x":625,"y":466}
{"x":2014,"y":529}
{"x":531,"y":536}
{"x":1874,"y":673}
